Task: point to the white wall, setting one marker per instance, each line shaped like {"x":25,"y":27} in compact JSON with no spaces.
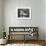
{"x":0,"y":11}
{"x":0,"y":18}
{"x":45,"y":19}
{"x":37,"y":15}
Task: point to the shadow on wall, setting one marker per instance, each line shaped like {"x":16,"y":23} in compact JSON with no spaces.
{"x":1,"y":34}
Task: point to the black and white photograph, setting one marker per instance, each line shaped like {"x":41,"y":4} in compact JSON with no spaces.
{"x":23,"y":13}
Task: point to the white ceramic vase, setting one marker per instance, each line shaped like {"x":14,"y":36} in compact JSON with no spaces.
{"x":3,"y":41}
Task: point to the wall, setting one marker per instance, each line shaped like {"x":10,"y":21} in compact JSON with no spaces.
{"x":0,"y":18}
{"x":37,"y":15}
{"x":45,"y":19}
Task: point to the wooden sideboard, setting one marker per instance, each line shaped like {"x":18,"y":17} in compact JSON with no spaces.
{"x":26,"y":33}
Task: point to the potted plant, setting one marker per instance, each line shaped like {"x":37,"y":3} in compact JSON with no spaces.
{"x":2,"y":37}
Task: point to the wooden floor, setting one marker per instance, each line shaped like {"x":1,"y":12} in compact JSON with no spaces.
{"x":40,"y":42}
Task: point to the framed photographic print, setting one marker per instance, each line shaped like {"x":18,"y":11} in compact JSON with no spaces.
{"x":23,"y":13}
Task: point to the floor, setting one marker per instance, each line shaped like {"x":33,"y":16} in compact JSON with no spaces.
{"x":22,"y":45}
{"x":25,"y":43}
